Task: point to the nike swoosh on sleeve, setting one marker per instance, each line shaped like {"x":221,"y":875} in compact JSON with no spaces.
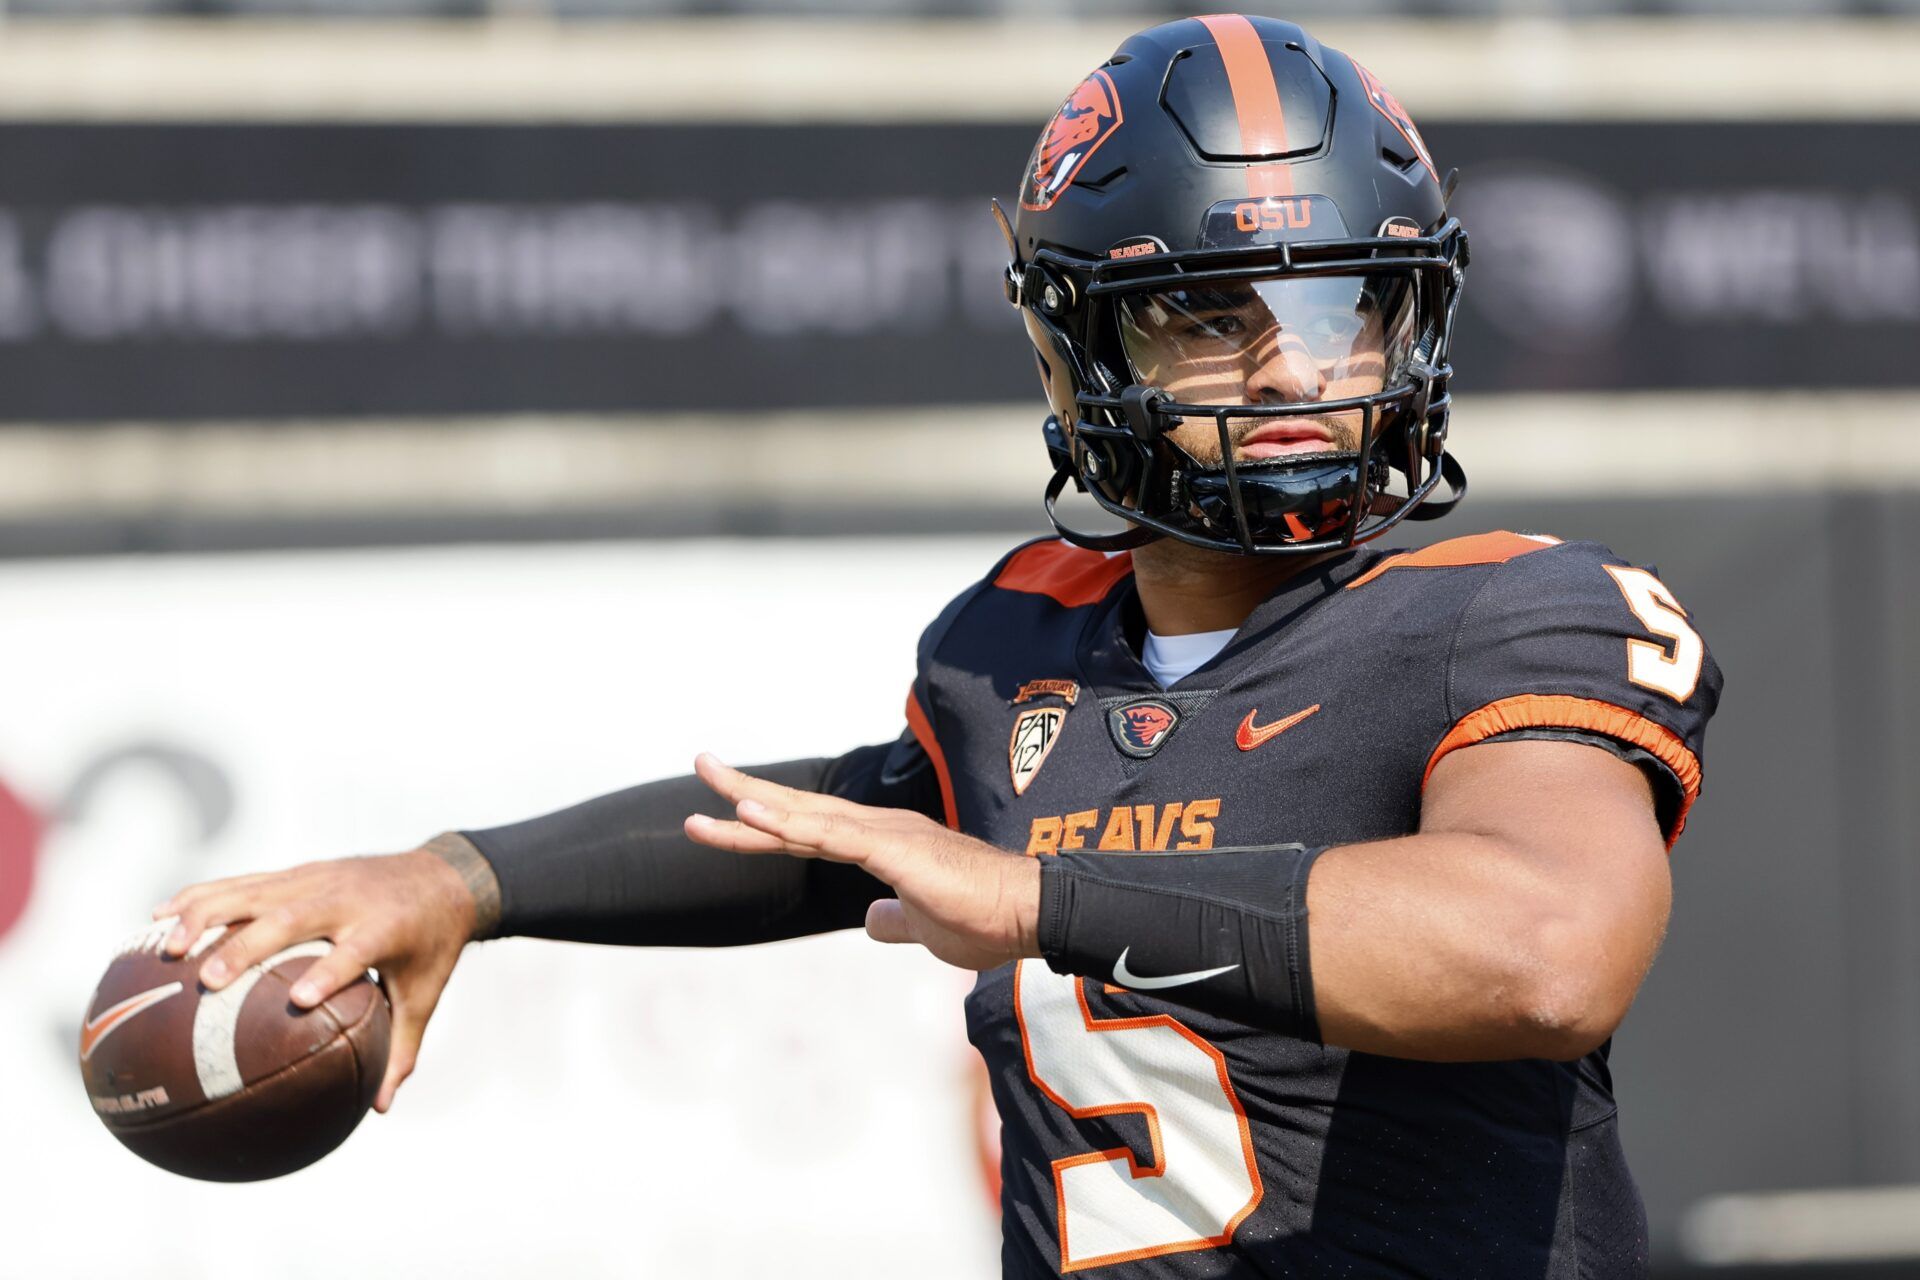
{"x":1134,"y":982}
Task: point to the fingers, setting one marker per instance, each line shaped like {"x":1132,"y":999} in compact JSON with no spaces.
{"x":241,"y":949}
{"x":801,"y":814}
{"x":201,"y":911}
{"x":822,"y":835}
{"x":399,"y":1067}
{"x":179,"y":902}
{"x":736,"y":786}
{"x":734,"y":837}
{"x":339,"y":968}
{"x":766,"y":830}
{"x":887,"y":922}
{"x":401,"y":1058}
{"x":727,"y":781}
{"x":414,"y":1000}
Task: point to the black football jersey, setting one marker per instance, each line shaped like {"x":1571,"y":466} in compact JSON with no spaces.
{"x":1143,"y":1139}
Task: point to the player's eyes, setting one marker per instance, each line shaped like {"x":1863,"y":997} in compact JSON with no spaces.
{"x":1214,"y":328}
{"x":1332,"y":330}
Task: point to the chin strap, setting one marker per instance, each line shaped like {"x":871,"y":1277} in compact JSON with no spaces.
{"x":1126,"y":540}
{"x":1456,"y":478}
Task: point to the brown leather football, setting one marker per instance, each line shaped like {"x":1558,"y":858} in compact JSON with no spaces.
{"x":233,"y":1085}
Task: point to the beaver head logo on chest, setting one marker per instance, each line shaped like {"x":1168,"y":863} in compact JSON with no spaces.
{"x":1140,"y":727}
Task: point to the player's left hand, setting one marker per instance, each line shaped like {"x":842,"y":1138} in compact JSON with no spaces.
{"x":969,"y":903}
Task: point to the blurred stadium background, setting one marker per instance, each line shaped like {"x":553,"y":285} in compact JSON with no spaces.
{"x":416,"y":415}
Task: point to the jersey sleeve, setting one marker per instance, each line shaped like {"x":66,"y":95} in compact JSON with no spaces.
{"x":620,"y":869}
{"x":912,"y":773}
{"x":1573,"y":642}
{"x":921,"y":745}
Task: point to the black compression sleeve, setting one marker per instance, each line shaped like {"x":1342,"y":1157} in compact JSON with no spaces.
{"x":620,"y":869}
{"x":1224,"y":932}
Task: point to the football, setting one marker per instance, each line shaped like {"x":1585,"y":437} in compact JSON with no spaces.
{"x":235,"y":1085}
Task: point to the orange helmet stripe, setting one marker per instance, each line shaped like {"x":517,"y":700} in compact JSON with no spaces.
{"x":1256,"y":100}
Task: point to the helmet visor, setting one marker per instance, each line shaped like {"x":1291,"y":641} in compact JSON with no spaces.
{"x":1292,"y":340}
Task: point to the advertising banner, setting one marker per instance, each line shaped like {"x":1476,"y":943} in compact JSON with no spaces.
{"x":157,"y":272}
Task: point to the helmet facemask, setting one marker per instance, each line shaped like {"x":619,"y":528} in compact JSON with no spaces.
{"x":1258,"y":400}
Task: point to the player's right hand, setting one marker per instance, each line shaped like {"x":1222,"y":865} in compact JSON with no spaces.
{"x":407,"y":915}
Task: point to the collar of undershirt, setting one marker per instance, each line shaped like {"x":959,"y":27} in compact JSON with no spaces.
{"x":1116,"y":629}
{"x":1171,"y":659}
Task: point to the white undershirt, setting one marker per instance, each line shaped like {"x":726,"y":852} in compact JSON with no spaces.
{"x":1170,"y":659}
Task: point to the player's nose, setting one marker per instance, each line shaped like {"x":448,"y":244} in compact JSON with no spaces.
{"x":1285,"y":372}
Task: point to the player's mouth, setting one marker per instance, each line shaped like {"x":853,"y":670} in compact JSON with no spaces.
{"x":1279,"y":439}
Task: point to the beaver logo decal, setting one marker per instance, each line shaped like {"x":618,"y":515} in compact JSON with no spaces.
{"x":1141,"y":726}
{"x":1389,"y":106}
{"x":1085,"y":120}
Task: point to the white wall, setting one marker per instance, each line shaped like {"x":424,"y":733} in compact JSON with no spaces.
{"x":803,"y":1109}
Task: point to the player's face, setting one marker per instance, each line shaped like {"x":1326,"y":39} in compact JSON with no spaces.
{"x":1289,"y":341}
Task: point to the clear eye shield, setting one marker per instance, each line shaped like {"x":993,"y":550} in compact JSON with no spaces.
{"x":1288,"y":340}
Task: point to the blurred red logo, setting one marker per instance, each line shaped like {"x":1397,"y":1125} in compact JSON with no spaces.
{"x":20,"y":831}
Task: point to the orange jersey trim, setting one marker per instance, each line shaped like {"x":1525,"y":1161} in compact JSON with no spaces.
{"x":923,"y":734}
{"x":1256,"y":100}
{"x":1071,"y":576}
{"x":1480,"y":548}
{"x":1558,"y":711}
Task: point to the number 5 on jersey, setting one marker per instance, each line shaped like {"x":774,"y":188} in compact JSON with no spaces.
{"x":1674,"y":671}
{"x":1202,"y":1182}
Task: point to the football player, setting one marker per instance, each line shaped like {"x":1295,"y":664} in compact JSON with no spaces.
{"x":1306,"y":881}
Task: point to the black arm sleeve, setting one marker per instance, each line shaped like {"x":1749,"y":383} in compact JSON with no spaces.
{"x":1225,"y":933}
{"x":620,"y":869}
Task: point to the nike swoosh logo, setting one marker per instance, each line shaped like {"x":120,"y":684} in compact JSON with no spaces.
{"x":98,"y":1029}
{"x":1133,"y":981}
{"x":1250,"y":735}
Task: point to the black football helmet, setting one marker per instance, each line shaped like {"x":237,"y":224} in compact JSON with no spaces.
{"x":1227,"y":195}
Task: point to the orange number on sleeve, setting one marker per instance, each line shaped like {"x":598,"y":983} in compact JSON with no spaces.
{"x":1674,"y":671}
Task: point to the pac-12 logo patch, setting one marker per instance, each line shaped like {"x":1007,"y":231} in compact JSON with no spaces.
{"x":1034,"y":733}
{"x":1086,"y":119}
{"x":1140,"y":727}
